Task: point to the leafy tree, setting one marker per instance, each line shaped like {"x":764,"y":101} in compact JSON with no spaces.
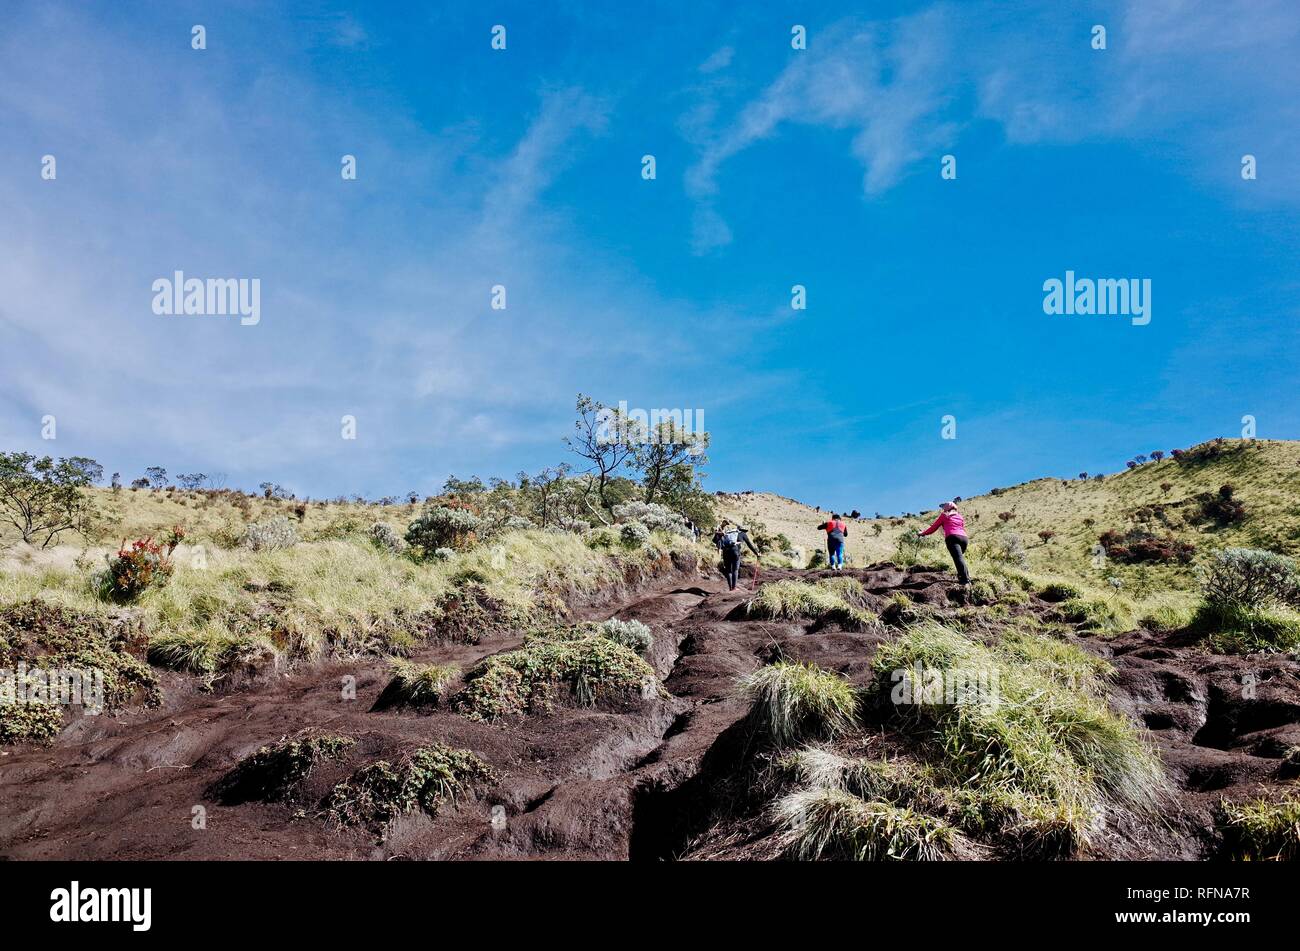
{"x":668,"y":446}
{"x":191,"y":480}
{"x":157,"y":477}
{"x":43,"y":498}
{"x":605,"y":437}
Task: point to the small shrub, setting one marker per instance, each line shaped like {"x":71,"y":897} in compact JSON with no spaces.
{"x":29,"y":722}
{"x":1223,"y":508}
{"x":913,"y":548}
{"x":1007,"y":548}
{"x":275,"y":533}
{"x":439,"y":527}
{"x":277,"y":772}
{"x":653,"y":516}
{"x":795,"y":702}
{"x":425,"y":779}
{"x":1139,"y":545}
{"x":385,"y":537}
{"x":136,"y":569}
{"x":634,"y":534}
{"x":633,"y":635}
{"x":1249,"y":577}
{"x":588,"y":669}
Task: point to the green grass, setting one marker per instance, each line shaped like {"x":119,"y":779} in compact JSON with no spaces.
{"x":790,"y":703}
{"x":416,"y":685}
{"x":827,"y":823}
{"x":211,"y":654}
{"x":1260,"y":830}
{"x":791,"y":600}
{"x":1040,"y":734}
{"x":575,"y":666}
{"x":1238,"y":629}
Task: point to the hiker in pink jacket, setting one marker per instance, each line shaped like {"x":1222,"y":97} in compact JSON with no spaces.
{"x":954,"y":536}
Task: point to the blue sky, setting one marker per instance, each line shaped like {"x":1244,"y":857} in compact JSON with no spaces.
{"x":522,"y":167}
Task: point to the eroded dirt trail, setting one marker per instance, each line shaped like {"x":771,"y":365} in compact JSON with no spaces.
{"x":641,"y":784}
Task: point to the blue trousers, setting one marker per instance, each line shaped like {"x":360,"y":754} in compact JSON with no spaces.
{"x":835,"y":550}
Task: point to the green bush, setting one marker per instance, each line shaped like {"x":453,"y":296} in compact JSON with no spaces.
{"x":1238,"y":629}
{"x":1249,"y":577}
{"x":633,"y":635}
{"x":134,"y":570}
{"x":440,"y":527}
{"x":29,"y":722}
{"x":425,"y":779}
{"x":588,"y":668}
{"x":277,"y":772}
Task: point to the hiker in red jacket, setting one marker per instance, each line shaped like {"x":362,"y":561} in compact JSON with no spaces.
{"x":954,"y":536}
{"x":836,"y":532}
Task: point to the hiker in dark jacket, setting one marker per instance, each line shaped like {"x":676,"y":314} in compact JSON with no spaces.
{"x":728,"y":539}
{"x":837,"y":530}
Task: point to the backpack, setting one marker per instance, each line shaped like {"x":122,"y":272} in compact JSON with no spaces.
{"x":731,"y":541}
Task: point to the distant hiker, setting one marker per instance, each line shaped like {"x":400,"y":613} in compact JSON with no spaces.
{"x":836,"y":531}
{"x":954,"y":536}
{"x":728,"y":539}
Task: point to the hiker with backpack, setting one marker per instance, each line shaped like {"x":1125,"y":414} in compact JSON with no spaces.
{"x":728,"y":539}
{"x":837,"y":530}
{"x":954,"y":537}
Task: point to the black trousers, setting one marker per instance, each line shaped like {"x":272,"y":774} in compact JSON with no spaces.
{"x":957,"y":548}
{"x":731,"y":567}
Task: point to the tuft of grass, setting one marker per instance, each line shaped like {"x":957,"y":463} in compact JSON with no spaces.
{"x":1058,"y":591}
{"x":1042,"y":732}
{"x":425,"y":779}
{"x":1240,"y":629}
{"x":795,"y":702}
{"x":1165,"y":619}
{"x":633,"y":635}
{"x":276,"y":772}
{"x":587,"y":667}
{"x":797,"y":600}
{"x":1260,"y":830}
{"x":1097,"y":614}
{"x":828,"y":823}
{"x":210,"y":654}
{"x":415,"y":685}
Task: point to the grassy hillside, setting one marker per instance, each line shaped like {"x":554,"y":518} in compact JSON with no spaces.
{"x":1164,"y":498}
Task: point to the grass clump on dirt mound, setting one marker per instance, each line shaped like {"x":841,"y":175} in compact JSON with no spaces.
{"x":276,"y":773}
{"x":427,"y":778}
{"x":416,"y":685}
{"x":576,"y":665}
{"x":826,"y":823}
{"x":790,"y":600}
{"x":1260,"y":830}
{"x":211,"y":654}
{"x":1031,"y":730}
{"x":795,"y":702}
{"x":70,"y":658}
